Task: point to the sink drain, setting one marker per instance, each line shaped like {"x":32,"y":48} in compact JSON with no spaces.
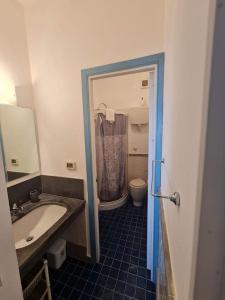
{"x":30,"y":238}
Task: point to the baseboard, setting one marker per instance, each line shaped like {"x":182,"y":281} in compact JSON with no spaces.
{"x":165,"y":284}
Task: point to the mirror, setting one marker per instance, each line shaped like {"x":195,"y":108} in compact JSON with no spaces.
{"x":18,"y":141}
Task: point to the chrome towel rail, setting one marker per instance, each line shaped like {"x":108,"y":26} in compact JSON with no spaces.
{"x":175,"y":197}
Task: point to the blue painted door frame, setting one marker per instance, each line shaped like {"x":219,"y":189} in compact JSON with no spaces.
{"x":157,"y":59}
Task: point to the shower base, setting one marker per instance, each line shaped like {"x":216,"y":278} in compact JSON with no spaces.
{"x":113,"y":204}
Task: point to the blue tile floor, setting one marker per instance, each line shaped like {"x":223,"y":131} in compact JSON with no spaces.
{"x":121,"y":273}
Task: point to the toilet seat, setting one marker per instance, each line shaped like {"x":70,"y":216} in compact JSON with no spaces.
{"x":137,"y":183}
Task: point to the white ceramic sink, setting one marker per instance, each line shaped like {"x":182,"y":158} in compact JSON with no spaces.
{"x":33,"y":225}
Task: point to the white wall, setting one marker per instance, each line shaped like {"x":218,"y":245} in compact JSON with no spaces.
{"x":14,"y":71}
{"x":185,"y":110}
{"x":67,"y":36}
{"x":210,"y":267}
{"x":122,"y":93}
{"x":14,"y":62}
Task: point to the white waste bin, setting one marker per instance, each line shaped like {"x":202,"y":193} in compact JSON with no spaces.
{"x":56,"y":254}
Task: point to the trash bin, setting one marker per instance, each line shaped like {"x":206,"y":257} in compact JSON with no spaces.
{"x":56,"y":254}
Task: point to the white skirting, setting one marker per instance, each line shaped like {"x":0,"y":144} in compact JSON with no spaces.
{"x":104,"y":205}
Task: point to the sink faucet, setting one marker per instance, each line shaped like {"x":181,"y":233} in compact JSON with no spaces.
{"x":16,"y":210}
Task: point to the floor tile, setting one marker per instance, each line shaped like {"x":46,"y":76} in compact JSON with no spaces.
{"x":121,"y":273}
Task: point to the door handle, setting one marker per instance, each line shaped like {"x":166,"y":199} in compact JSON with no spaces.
{"x":175,"y":197}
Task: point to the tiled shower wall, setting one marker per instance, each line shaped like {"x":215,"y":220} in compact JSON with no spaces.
{"x":138,"y":167}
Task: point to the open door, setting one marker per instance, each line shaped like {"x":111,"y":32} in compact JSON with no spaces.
{"x":151,"y":157}
{"x":155,"y":154}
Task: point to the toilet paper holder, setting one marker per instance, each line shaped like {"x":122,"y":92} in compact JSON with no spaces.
{"x":175,"y":197}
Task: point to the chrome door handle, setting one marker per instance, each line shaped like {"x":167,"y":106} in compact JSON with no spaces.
{"x":175,"y":197}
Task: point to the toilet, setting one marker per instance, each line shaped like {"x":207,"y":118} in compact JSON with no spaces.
{"x":138,"y":190}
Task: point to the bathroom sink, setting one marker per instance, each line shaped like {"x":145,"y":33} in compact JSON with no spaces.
{"x":35,"y":223}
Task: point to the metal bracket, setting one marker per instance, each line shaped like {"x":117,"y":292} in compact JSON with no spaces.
{"x":175,"y":197}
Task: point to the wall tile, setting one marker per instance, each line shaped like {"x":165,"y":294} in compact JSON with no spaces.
{"x":137,"y":167}
{"x":61,"y":186}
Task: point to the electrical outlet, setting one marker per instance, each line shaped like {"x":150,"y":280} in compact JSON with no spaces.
{"x":145,"y":84}
{"x":14,"y":161}
{"x":71,"y":165}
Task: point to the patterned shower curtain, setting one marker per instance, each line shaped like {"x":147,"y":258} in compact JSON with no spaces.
{"x":111,"y":156}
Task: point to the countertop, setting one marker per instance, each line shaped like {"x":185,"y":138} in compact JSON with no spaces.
{"x":38,"y":248}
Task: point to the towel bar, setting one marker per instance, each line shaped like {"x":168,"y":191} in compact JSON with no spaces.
{"x":175,"y":197}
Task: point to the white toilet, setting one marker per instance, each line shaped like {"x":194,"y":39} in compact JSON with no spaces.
{"x":138,"y":190}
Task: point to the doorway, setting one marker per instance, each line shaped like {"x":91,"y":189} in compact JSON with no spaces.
{"x":152,"y":64}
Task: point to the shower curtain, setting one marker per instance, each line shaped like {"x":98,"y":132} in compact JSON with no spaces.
{"x":111,"y":156}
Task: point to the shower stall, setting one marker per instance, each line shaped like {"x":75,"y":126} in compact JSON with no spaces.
{"x":111,"y":143}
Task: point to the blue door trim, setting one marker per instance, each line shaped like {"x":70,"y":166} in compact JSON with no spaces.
{"x":157,"y":59}
{"x":158,"y":156}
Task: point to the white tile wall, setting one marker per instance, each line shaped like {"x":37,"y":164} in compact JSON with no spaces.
{"x":137,"y":167}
